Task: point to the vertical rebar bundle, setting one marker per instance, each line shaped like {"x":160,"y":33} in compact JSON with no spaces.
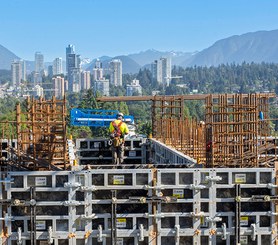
{"x":237,"y":130}
{"x":172,"y":128}
{"x":41,"y":134}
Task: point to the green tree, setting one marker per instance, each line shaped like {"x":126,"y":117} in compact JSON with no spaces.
{"x":80,"y":132}
{"x":88,"y":100}
{"x":145,"y":128}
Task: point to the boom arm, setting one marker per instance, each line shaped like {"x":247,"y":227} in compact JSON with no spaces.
{"x":95,"y":117}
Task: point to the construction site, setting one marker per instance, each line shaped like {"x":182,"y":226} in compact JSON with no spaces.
{"x":210,"y":182}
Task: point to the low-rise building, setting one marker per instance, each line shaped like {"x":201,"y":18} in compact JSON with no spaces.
{"x":134,"y":87}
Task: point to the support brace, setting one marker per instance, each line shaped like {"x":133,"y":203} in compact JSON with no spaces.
{"x":254,"y":232}
{"x":72,"y":185}
{"x":141,"y":233}
{"x":213,"y":178}
{"x":100,"y":234}
{"x":50,"y":235}
{"x":177,"y":232}
{"x":19,"y":236}
{"x":224,"y":231}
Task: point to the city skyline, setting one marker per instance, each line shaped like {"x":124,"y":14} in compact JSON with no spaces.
{"x":113,"y":28}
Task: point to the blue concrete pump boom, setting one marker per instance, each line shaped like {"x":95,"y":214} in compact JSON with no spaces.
{"x":95,"y":117}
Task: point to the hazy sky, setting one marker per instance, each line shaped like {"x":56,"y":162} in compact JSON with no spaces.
{"x":116,"y":27}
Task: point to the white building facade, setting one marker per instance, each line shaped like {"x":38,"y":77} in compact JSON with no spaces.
{"x":85,"y":80}
{"x":16,"y":73}
{"x":102,"y":87}
{"x":162,"y":71}
{"x":57,"y":66}
{"x":58,"y":86}
{"x":134,"y":87}
{"x":116,"y":70}
{"x":39,"y":62}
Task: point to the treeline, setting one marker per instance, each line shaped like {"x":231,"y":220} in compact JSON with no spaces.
{"x":244,"y":78}
{"x":229,"y":78}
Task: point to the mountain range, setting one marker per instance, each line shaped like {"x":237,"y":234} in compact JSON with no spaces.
{"x":6,"y":58}
{"x":260,"y":46}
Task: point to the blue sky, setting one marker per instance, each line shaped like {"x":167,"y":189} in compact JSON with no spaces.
{"x":116,"y":27}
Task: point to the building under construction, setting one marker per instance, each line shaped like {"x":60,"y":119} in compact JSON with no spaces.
{"x":193,"y":182}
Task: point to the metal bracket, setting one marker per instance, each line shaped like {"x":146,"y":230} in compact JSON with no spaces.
{"x":92,"y":216}
{"x":270,"y":213}
{"x":33,"y":202}
{"x":141,"y":233}
{"x":254,"y":232}
{"x":197,"y":187}
{"x":88,"y":188}
{"x":214,"y":219}
{"x":213,"y":178}
{"x":100,"y":234}
{"x":18,"y":202}
{"x":238,"y":198}
{"x":165,"y":199}
{"x":156,"y":216}
{"x":270,"y":186}
{"x":200,"y":214}
{"x":19,"y":236}
{"x":264,"y":198}
{"x":50,"y":235}
{"x":7,"y":181}
{"x":71,"y":203}
{"x":72,"y":185}
{"x":224,"y":231}
{"x":177,"y":232}
{"x":7,"y":218}
{"x":138,"y":199}
{"x":5,"y":201}
{"x":148,"y":187}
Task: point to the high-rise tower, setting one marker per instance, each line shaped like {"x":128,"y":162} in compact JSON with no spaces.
{"x":16,"y":73}
{"x":115,"y":67}
{"x":70,"y":49}
{"x":73,"y":69}
{"x":59,"y":86}
{"x":39,"y":63}
{"x":98,"y":71}
{"x":161,"y":71}
{"x":85,"y":80}
{"x":57,"y":66}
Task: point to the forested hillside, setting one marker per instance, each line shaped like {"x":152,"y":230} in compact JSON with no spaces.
{"x":244,"y":78}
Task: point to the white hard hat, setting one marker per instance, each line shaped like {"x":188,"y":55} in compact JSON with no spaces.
{"x":120,"y":114}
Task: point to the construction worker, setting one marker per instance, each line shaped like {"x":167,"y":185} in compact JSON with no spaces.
{"x":118,"y":129}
